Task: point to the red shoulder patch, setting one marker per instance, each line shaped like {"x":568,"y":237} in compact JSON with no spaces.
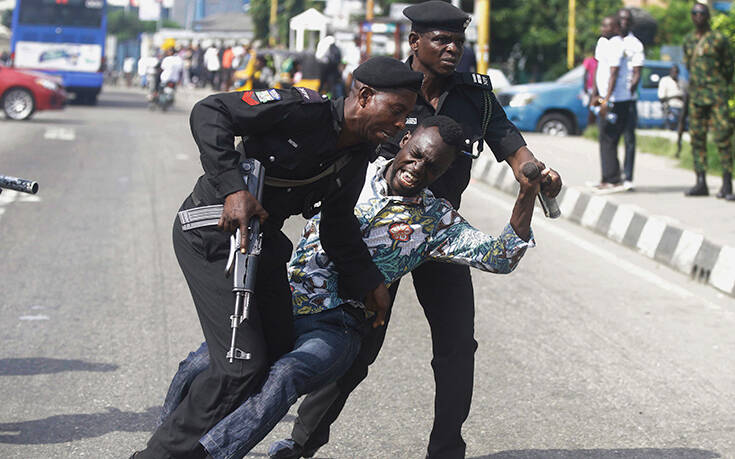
{"x":250,"y":98}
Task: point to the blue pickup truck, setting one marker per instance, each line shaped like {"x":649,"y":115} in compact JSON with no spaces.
{"x":557,"y":107}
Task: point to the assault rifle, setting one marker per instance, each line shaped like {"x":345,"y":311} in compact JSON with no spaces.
{"x":241,"y":266}
{"x":18,"y":184}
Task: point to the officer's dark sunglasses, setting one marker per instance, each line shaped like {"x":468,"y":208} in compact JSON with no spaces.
{"x":699,"y":12}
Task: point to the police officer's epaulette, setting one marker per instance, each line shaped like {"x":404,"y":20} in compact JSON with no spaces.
{"x":476,"y":79}
{"x":309,"y":96}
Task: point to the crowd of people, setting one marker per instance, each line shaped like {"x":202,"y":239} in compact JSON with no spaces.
{"x":612,"y":78}
{"x":240,"y":66}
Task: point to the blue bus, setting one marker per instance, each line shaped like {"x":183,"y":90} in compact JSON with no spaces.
{"x":64,"y":38}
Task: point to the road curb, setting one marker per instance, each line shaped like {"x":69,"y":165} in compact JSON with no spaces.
{"x":656,"y":237}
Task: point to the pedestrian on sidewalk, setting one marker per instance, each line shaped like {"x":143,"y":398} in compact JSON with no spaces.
{"x":630,"y":74}
{"x":671,"y":96}
{"x":709,"y":59}
{"x":610,"y":96}
{"x":620,"y":56}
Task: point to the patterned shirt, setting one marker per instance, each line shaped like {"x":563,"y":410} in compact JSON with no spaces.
{"x":400,"y":233}
{"x":709,"y":60}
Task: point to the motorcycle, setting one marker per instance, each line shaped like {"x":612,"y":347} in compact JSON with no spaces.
{"x":163,"y":98}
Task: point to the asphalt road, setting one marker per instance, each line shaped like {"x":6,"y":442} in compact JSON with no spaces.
{"x":588,"y":350}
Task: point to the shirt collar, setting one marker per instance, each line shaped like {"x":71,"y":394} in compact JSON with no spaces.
{"x":453,"y":80}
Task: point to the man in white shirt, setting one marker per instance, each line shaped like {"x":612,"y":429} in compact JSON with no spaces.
{"x":671,"y":96}
{"x":630,"y":74}
{"x":610,"y":89}
{"x":172,"y":67}
{"x":212,"y":63}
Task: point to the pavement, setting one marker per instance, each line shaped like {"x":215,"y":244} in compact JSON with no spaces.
{"x":692,"y":235}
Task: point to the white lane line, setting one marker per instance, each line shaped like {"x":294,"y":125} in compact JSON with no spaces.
{"x":182,"y":157}
{"x":54,"y":133}
{"x":37,"y":317}
{"x":540,"y":222}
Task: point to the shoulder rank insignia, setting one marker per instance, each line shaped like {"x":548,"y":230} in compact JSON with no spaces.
{"x":477,"y":79}
{"x":309,"y":96}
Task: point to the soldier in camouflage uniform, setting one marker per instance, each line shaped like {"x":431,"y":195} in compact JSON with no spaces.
{"x":709,"y":59}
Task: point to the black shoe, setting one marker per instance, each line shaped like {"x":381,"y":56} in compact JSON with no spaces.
{"x":726,"y":185}
{"x":289,"y":449}
{"x":730,"y":197}
{"x":700,"y":189}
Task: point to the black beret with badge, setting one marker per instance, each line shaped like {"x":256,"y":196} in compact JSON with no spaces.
{"x":437,"y":15}
{"x":384,"y":72}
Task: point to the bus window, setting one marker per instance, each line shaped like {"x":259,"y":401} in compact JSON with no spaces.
{"x":69,"y":13}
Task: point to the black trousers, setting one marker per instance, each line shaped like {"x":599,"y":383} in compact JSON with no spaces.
{"x":268,"y":334}
{"x":446,"y":295}
{"x":610,"y":133}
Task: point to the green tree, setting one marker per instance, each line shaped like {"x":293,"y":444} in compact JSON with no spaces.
{"x":126,"y":25}
{"x":260,"y":14}
{"x":7,"y":18}
{"x":673,"y":24}
{"x":535,"y":32}
{"x":725,"y":23}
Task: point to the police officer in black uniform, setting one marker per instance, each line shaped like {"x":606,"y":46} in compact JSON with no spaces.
{"x":444,"y":290}
{"x":315,"y":154}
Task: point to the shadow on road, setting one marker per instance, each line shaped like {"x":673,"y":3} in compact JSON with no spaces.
{"x":42,"y":365}
{"x":40,"y":119}
{"x":622,"y":453}
{"x":113,"y":99}
{"x":69,"y":427}
{"x":661,"y":189}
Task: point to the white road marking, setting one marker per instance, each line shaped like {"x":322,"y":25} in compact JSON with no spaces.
{"x":37,"y":317}
{"x":182,"y":157}
{"x":540,"y":222}
{"x":55,"y":133}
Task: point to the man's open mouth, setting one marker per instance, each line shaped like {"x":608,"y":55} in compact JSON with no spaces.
{"x":408,"y":179}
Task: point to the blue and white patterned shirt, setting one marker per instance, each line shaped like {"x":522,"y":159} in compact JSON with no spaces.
{"x":400,"y":233}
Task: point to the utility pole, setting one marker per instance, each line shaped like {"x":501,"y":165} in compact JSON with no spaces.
{"x":369,"y":6}
{"x":482,"y":12}
{"x":571,"y":33}
{"x":273,"y":25}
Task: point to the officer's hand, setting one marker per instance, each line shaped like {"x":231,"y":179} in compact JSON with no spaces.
{"x":550,"y":179}
{"x":239,"y":207}
{"x":378,"y":301}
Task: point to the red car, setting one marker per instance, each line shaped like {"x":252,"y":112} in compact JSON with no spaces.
{"x":23,"y":92}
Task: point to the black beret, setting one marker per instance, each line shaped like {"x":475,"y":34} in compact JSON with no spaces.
{"x":388,"y":73}
{"x":437,"y":15}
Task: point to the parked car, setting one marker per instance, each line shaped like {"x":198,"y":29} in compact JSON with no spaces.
{"x":24,"y":92}
{"x":557,"y":107}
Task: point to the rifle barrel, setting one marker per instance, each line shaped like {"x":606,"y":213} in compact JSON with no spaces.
{"x":18,"y":184}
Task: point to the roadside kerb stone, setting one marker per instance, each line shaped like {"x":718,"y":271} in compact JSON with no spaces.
{"x":653,"y":236}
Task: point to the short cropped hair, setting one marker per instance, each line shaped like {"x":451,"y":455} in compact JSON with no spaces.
{"x":450,"y":131}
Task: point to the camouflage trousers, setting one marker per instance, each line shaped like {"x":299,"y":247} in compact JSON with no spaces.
{"x":699,"y":121}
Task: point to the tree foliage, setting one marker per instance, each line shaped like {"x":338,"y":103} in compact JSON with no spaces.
{"x":126,"y":25}
{"x":7,"y":18}
{"x":673,"y":24}
{"x":260,"y":14}
{"x":533,"y":34}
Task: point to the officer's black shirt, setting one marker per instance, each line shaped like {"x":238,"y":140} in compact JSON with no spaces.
{"x":293,"y":133}
{"x":463,"y":100}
